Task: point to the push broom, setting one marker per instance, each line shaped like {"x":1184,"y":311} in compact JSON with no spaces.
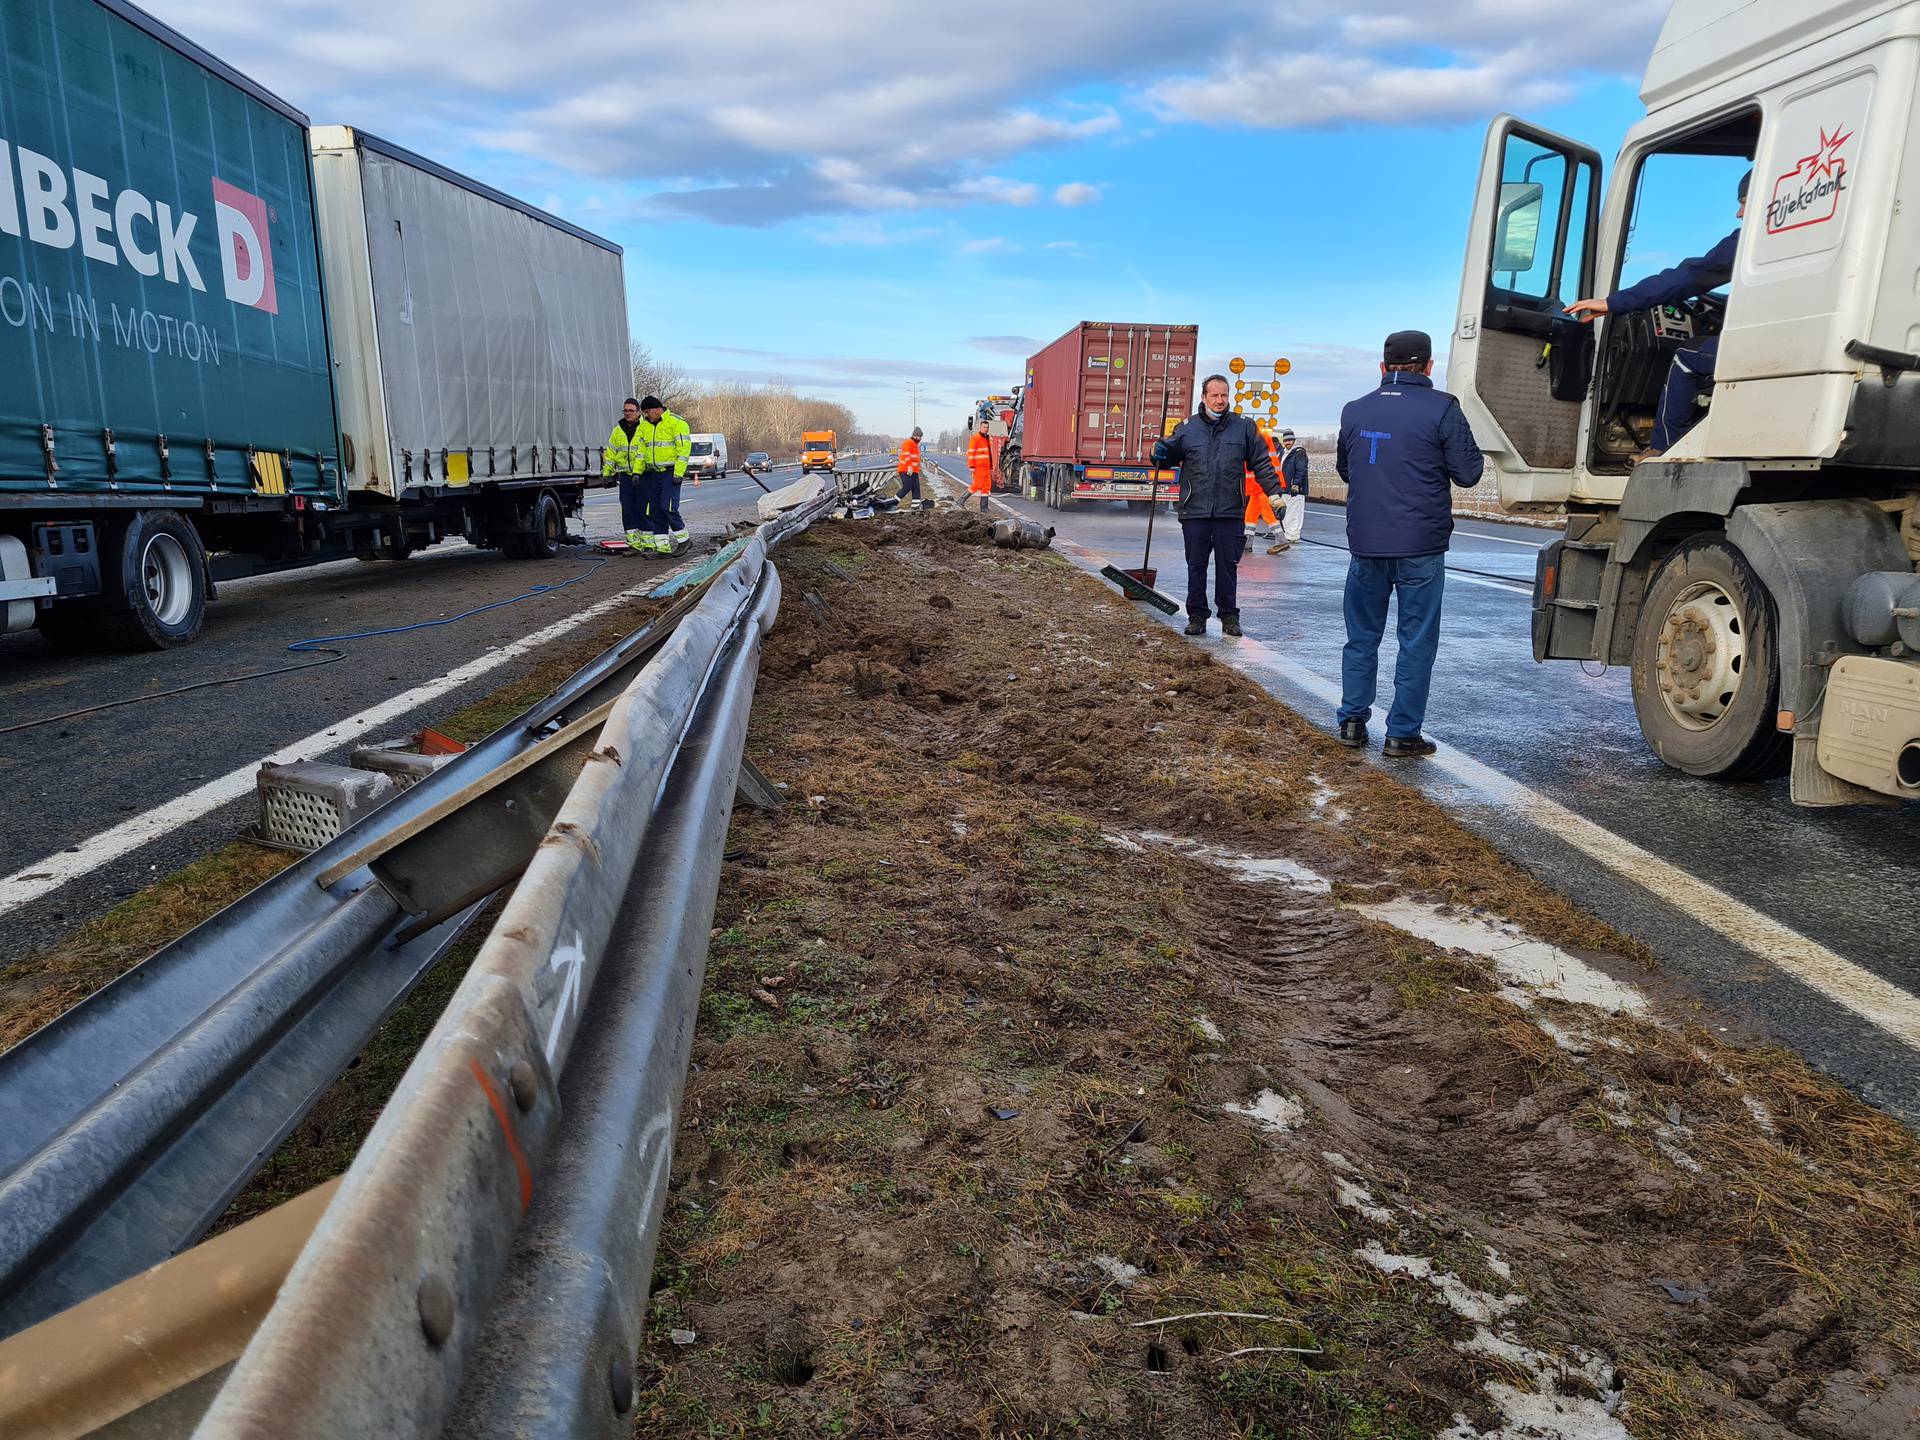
{"x":1138,"y":584}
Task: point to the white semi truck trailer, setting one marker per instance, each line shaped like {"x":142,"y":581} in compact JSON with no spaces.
{"x":1758,"y":578}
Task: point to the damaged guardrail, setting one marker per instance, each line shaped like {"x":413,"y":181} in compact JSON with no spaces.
{"x":136,"y":1117}
{"x":506,"y":1204}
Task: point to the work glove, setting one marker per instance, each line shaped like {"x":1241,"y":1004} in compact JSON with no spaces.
{"x":1162,"y":456}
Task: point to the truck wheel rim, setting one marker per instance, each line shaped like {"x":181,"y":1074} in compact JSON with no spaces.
{"x":1703,"y":655}
{"x":166,"y":574}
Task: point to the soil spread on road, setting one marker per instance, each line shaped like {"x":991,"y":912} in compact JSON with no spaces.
{"x":1091,"y":1046}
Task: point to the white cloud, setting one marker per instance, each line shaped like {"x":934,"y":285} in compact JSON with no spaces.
{"x":1021,"y":345}
{"x":1411,"y":62}
{"x":990,"y":245}
{"x":998,"y":189}
{"x":865,"y":107}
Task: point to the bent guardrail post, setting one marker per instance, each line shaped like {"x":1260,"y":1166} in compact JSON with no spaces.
{"x":372,"y":1328}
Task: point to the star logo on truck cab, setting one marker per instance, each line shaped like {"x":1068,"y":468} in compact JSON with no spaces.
{"x":1809,"y":194}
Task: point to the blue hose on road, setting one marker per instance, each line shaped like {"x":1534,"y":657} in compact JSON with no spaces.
{"x":323,"y":641}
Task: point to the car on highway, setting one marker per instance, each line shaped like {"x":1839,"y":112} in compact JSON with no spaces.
{"x":758,"y":461}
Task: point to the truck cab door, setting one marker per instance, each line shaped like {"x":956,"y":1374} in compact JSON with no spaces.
{"x":1530,"y":249}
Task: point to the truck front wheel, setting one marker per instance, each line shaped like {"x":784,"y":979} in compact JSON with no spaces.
{"x":1706,"y":666}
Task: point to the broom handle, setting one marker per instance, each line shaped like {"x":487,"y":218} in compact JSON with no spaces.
{"x":1153,"y":471}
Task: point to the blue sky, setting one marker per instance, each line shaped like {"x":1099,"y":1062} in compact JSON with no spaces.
{"x":855,"y":196}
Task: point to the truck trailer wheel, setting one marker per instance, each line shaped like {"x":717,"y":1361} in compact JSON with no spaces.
{"x":546,"y":526}
{"x":1706,"y":666}
{"x":156,"y":592}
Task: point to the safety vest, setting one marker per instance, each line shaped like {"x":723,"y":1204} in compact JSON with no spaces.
{"x":979,"y":452}
{"x":662,"y":446}
{"x":1272,"y":450}
{"x":909,"y":456}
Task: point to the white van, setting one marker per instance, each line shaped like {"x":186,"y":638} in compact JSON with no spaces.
{"x":709,"y":457}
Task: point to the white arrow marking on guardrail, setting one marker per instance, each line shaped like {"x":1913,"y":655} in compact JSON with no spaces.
{"x":569,"y":960}
{"x":660,"y":1127}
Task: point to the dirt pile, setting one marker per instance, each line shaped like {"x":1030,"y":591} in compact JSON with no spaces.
{"x":1091,"y":1047}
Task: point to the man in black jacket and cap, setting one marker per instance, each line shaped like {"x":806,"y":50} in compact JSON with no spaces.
{"x":1215,"y":449}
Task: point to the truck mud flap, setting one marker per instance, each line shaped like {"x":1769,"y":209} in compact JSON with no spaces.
{"x":1566,"y":602}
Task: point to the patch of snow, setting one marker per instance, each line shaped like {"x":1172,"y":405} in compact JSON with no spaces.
{"x":1532,"y":1415}
{"x":1458,"y":1296}
{"x":1116,"y":1269}
{"x":1272,"y":1112}
{"x":1356,"y":1196}
{"x":1208,"y":1029}
{"x":1678,"y":1156}
{"x":959,"y":827}
{"x":1123,"y":842}
{"x":1762,"y":1116}
{"x":1322,"y":801}
{"x":1497,"y":1265}
{"x":1339,"y":1161}
{"x":1542,"y":1412}
{"x":1533,"y":968}
{"x":1257,"y":868}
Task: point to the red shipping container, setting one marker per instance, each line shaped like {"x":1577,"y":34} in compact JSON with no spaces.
{"x":1100,"y":393}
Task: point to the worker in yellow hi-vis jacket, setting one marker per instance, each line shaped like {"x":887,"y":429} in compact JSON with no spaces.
{"x":648,"y":450}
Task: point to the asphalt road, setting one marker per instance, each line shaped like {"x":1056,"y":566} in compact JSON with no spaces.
{"x":62,"y":784}
{"x":1843,"y":879}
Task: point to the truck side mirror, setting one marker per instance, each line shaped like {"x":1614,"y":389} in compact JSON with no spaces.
{"x":1517,"y":238}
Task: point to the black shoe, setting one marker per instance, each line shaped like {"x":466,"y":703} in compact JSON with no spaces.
{"x":1406,"y":747}
{"x":1229,"y":624}
{"x":1197,"y":626}
{"x":1353,"y":734}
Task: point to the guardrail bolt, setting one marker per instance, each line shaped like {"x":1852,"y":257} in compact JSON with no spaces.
{"x":525,"y":1088}
{"x":620,"y":1383}
{"x":435,"y":1299}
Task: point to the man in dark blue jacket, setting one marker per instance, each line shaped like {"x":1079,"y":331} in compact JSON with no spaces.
{"x":1692,"y":367}
{"x":1214,"y":450}
{"x":1401,"y":448}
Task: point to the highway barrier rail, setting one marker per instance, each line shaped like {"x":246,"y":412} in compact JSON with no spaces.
{"x":487,"y":1255}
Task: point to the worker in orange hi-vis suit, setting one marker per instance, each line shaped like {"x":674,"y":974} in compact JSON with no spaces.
{"x":1260,"y":512}
{"x":909,"y":469}
{"x":980,"y":462}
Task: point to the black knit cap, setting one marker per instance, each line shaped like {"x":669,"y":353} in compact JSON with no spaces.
{"x":1408,"y":347}
{"x":652,"y":402}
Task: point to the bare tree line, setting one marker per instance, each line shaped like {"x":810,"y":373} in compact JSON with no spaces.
{"x":752,"y":417}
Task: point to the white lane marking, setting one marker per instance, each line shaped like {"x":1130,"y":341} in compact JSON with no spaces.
{"x":1851,"y":986}
{"x":51,"y":872}
{"x":1502,"y":539}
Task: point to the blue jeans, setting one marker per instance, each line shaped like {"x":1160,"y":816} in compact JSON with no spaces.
{"x":1678,"y":413}
{"x":1220,"y":540}
{"x":1417,"y":581}
{"x":633,"y":503}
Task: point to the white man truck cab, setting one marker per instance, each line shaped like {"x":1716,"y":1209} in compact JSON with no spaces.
{"x":1759,"y":576}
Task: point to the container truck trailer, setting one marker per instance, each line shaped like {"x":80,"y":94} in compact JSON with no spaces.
{"x":1094,"y":402}
{"x":231,"y":343}
{"x":1758,"y":577}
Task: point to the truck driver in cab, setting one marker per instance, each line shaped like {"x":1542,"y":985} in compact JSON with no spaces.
{"x":1692,"y":367}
